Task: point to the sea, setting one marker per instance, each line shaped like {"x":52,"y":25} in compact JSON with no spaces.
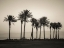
{"x":28,"y":35}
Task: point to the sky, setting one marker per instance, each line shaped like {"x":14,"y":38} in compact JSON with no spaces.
{"x":52,"y":9}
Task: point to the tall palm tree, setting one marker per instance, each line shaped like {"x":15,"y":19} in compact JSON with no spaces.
{"x":59,"y":27}
{"x":40,"y":33}
{"x":33,"y":20}
{"x":27,"y":14}
{"x":36,"y":25}
{"x":10,"y":19}
{"x":21,"y":18}
{"x":40,"y":24}
{"x":44,"y":22}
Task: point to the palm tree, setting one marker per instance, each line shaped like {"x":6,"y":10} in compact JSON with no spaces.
{"x":36,"y":25}
{"x":10,"y":18}
{"x":27,"y":14}
{"x":33,"y":20}
{"x":44,"y":22}
{"x":20,"y":17}
{"x":59,"y":27}
{"x":54,"y":27}
{"x":40,"y":24}
{"x":51,"y":24}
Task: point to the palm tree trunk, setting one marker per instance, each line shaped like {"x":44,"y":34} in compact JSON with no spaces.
{"x":36,"y":32}
{"x":24,"y":30}
{"x":50,"y":33}
{"x":21,"y":31}
{"x":40,"y":33}
{"x":58,"y":33}
{"x":32,"y":32}
{"x":53,"y":33}
{"x":44,"y":31}
{"x":9,"y":28}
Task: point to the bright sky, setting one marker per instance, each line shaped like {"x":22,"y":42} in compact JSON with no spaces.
{"x":53,"y":9}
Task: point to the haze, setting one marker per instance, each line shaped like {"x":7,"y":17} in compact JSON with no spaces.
{"x":53,"y":9}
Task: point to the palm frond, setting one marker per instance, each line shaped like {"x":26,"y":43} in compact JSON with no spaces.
{"x":14,"y":20}
{"x":5,"y":19}
{"x":44,"y":21}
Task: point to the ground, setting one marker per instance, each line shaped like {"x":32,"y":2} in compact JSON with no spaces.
{"x":32,"y":44}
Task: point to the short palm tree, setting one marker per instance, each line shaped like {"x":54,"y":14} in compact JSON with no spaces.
{"x":36,"y":25}
{"x":54,"y":27}
{"x":44,"y":22}
{"x":10,"y":19}
{"x":33,"y":20}
{"x":51,"y":24}
{"x":27,"y":14}
{"x":59,"y":27}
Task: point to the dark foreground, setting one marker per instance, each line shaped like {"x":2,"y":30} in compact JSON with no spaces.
{"x":31,"y":44}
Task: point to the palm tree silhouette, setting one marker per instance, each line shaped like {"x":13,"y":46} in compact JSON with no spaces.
{"x":51,"y":25}
{"x":36,"y":25}
{"x":21,"y":18}
{"x":54,"y":27}
{"x":44,"y":22}
{"x":59,"y":27}
{"x":40,"y":24}
{"x":10,"y":18}
{"x":27,"y":14}
{"x":33,"y":20}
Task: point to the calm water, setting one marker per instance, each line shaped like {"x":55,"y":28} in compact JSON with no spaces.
{"x":27,"y":35}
